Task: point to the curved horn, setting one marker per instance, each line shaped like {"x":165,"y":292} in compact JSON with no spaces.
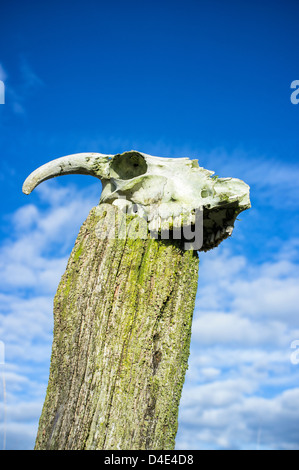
{"x":95,"y":164}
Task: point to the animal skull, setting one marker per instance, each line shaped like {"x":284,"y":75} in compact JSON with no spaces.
{"x":165,"y":191}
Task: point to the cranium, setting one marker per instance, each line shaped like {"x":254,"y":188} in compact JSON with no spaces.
{"x":162,"y":190}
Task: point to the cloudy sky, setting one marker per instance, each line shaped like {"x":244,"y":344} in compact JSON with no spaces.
{"x":204,"y":79}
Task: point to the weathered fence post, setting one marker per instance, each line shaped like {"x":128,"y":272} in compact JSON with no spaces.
{"x":123,"y":309}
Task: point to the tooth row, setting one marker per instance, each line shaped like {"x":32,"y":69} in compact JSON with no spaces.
{"x":212,"y":238}
{"x":158,"y":223}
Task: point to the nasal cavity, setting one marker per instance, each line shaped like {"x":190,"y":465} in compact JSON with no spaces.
{"x":127,"y":165}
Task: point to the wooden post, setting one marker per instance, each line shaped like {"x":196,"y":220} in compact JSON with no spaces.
{"x":122,"y":326}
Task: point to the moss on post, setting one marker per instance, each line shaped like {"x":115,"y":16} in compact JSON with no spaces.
{"x":122,"y":326}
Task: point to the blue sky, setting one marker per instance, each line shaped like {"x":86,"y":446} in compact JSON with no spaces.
{"x":203,"y":79}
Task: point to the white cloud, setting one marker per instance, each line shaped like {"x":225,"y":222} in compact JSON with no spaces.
{"x":25,"y":217}
{"x":230,"y":328}
{"x":233,"y":420}
{"x":19,"y":434}
{"x":263,"y":290}
{"x":276,"y":298}
{"x":210,"y":373}
{"x":217,"y":393}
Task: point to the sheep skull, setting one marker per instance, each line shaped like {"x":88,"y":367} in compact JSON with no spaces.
{"x":162,"y":190}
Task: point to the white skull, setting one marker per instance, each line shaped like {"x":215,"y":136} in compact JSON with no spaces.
{"x":165,"y":191}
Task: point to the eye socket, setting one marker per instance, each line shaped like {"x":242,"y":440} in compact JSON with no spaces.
{"x":127,"y":166}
